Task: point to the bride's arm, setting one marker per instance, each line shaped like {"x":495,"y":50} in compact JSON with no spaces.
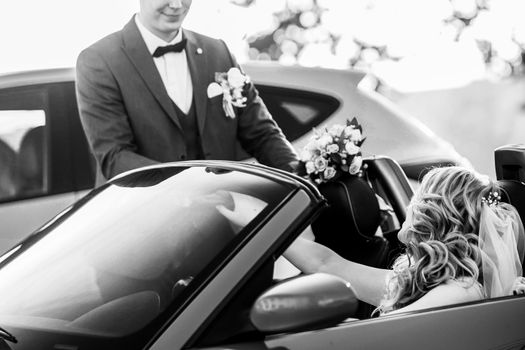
{"x":310,"y":257}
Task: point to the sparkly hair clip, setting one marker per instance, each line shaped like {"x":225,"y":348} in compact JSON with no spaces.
{"x":492,"y":199}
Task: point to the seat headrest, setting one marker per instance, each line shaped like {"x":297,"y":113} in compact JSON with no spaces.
{"x":30,"y":161}
{"x":7,"y":170}
{"x":353,"y":207}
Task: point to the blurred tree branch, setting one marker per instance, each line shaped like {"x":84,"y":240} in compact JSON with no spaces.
{"x":302,"y":34}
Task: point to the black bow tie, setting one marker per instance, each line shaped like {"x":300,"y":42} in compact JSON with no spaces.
{"x":178,"y":47}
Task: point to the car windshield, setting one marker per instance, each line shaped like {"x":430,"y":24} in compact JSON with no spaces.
{"x":134,"y":249}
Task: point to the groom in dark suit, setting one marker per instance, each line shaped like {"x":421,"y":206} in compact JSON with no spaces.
{"x":143,"y":98}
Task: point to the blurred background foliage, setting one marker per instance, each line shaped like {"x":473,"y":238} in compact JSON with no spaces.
{"x":367,"y":33}
{"x":456,"y":65}
{"x":440,"y":61}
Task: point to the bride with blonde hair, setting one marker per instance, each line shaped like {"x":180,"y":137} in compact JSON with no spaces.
{"x":462,"y":244}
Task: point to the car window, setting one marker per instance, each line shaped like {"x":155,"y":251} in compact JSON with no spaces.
{"x":297,"y":111}
{"x":137,"y":246}
{"x":22,"y":160}
{"x":23,"y":123}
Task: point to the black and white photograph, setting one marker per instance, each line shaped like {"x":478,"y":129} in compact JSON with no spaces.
{"x":262,"y":174}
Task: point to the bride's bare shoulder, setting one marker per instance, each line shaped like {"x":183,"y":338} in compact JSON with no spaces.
{"x":464,"y":288}
{"x":451,"y":292}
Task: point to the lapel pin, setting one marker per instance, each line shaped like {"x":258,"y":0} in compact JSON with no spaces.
{"x":199,"y":51}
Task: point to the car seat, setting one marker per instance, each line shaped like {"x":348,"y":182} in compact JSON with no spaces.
{"x":121,"y":316}
{"x":30,"y":163}
{"x":510,"y":173}
{"x":349,"y":224}
{"x":7,"y":170}
{"x":390,"y":182}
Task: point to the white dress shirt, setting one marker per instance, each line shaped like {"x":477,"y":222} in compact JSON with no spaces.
{"x":172,"y":66}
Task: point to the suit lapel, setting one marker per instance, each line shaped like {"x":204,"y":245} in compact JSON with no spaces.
{"x":138,"y":53}
{"x":199,"y":77}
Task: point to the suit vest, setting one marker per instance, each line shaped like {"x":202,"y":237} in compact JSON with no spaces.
{"x":190,"y":130}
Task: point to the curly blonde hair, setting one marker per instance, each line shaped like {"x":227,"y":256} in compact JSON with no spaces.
{"x":440,"y":234}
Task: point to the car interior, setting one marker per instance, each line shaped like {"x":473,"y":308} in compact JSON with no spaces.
{"x":30,"y":162}
{"x":118,"y":297}
{"x":367,"y":232}
{"x":7,"y":173}
{"x":361,"y":222}
{"x":354,"y":225}
{"x":22,"y":171}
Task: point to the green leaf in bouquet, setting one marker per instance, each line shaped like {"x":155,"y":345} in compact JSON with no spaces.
{"x":359,"y":143}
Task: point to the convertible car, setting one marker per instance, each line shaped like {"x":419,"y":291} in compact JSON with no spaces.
{"x":45,"y":163}
{"x":158,"y":259}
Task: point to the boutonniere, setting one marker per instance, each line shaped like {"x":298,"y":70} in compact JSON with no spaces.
{"x":231,"y":85}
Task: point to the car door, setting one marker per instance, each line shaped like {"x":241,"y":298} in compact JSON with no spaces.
{"x":496,"y":324}
{"x":43,"y":157}
{"x":486,"y":324}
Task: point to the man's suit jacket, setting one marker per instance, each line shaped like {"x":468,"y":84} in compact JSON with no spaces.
{"x":130,"y":121}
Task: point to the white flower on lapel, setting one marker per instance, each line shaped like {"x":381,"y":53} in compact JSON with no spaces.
{"x":214,"y":89}
{"x":231,"y":85}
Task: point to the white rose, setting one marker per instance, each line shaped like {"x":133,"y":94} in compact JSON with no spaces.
{"x":310,"y":167}
{"x":349,"y":130}
{"x":354,"y":135}
{"x":306,"y":155}
{"x":320,"y":164}
{"x":319,"y":145}
{"x":351,"y":148}
{"x":235,"y":78}
{"x":332,"y":148}
{"x":311,"y":145}
{"x":355,"y":166}
{"x":325,"y":140}
{"x":329,"y":173}
{"x":336,"y":130}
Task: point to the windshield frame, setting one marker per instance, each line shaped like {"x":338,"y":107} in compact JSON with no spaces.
{"x":218,"y":262}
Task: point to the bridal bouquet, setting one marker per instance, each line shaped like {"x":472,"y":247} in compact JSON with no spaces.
{"x":332,"y":152}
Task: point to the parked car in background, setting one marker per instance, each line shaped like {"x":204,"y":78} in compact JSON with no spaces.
{"x":156,"y":259}
{"x":45,"y":164}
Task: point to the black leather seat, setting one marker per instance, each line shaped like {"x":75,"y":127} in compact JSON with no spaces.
{"x":30,"y":163}
{"x":7,"y":171}
{"x":349,"y":224}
